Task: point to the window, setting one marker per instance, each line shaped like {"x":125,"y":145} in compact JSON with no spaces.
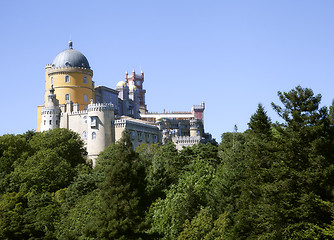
{"x":67,"y":78}
{"x":84,"y":135}
{"x":85,"y":98}
{"x":85,"y":119}
{"x":56,"y":122}
{"x":44,"y":122}
{"x":50,"y":122}
{"x":84,"y":79}
{"x":93,"y":122}
{"x":148,"y":138}
{"x":51,"y":80}
{"x":93,"y":135}
{"x":67,"y":97}
{"x":140,"y":136}
{"x":132,"y":135}
{"x":155,"y":138}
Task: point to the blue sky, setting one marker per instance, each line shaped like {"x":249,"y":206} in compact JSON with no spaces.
{"x":230,"y":54}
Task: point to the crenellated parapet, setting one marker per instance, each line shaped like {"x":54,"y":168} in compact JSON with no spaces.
{"x":48,"y":110}
{"x":199,"y":107}
{"x":122,"y":123}
{"x":66,"y":70}
{"x":187,"y":139}
{"x":94,"y":107}
{"x":83,"y":112}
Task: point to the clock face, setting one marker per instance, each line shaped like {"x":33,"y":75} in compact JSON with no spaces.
{"x":138,"y":83}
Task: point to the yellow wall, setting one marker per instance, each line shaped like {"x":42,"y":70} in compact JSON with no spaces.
{"x":39,"y":118}
{"x":76,"y":87}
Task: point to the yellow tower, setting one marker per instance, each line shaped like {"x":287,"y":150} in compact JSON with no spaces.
{"x":71,"y":77}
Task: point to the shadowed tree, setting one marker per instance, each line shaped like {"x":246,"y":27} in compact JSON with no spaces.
{"x":122,"y":196}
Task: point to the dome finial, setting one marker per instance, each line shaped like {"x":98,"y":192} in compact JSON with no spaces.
{"x":70,"y":44}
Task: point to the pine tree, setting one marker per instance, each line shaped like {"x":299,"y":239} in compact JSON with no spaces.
{"x":287,"y":189}
{"x":122,"y":194}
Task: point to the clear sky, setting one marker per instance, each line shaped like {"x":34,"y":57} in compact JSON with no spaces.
{"x":230,"y":54}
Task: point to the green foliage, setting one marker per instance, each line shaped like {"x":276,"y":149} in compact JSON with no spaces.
{"x":33,"y":167}
{"x":67,"y":144}
{"x":198,"y":227}
{"x":122,"y":195}
{"x":76,"y":217}
{"x":273,"y":181}
{"x":260,"y":123}
{"x":12,"y":207}
{"x":286,"y":191}
{"x":44,"y":171}
{"x":183,"y":200}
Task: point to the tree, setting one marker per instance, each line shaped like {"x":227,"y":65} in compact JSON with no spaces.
{"x":260,"y":123}
{"x":66,"y":143}
{"x":122,"y":195}
{"x":229,"y":174}
{"x":287,"y":191}
{"x":183,"y":200}
{"x":35,"y":167}
{"x":198,"y":227}
{"x":13,"y":150}
{"x":258,"y":153}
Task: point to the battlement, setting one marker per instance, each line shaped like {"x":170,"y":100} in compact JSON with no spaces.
{"x":199,"y":107}
{"x":65,"y":70}
{"x":123,"y":122}
{"x":186,"y":139}
{"x":83,"y":112}
{"x":49,"y":111}
{"x":166,"y":112}
{"x":100,"y":107}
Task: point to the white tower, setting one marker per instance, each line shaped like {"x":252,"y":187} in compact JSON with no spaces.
{"x":50,"y":113}
{"x":100,"y":131}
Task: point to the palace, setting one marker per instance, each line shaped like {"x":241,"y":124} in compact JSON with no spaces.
{"x":100,"y":114}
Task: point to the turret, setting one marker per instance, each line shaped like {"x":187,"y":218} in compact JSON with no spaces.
{"x":50,"y":114}
{"x":196,"y":128}
{"x":198,"y":111}
{"x":137,"y":80}
{"x":123,"y":94}
{"x":100,"y":131}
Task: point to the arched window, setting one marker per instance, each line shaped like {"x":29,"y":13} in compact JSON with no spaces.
{"x":93,"y":135}
{"x":67,"y":97}
{"x":85,"y":119}
{"x":85,"y":98}
{"x":84,"y":79}
{"x":67,"y":78}
{"x":84,"y":135}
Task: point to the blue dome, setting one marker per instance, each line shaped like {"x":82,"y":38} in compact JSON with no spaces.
{"x":70,"y":58}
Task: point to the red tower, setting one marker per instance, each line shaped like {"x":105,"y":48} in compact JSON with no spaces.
{"x":137,"y":81}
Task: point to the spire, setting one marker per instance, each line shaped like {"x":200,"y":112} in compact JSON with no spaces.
{"x":70,"y":44}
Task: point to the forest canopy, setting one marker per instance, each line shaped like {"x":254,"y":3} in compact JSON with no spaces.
{"x":273,"y":181}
